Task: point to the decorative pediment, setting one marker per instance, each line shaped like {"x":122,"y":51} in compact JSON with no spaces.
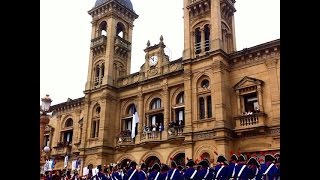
{"x":247,"y":82}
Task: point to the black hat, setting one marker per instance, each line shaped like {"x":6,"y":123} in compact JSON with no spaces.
{"x":234,"y":157}
{"x":190,"y":163}
{"x":156,"y":166}
{"x":226,"y":162}
{"x":132,"y":164}
{"x":269,"y":157}
{"x":173,"y":164}
{"x":278,"y":160}
{"x":254,"y":161}
{"x":204,"y":163}
{"x":242,"y":158}
{"x":143,"y":165}
{"x":221,"y":158}
{"x":99,"y":167}
{"x":164,"y":167}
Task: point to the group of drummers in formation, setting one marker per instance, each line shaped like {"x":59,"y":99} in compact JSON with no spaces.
{"x":238,"y":168}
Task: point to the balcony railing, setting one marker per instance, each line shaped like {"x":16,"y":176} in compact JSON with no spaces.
{"x":175,"y":131}
{"x":151,"y":136}
{"x":99,"y":41}
{"x":124,"y":140}
{"x":250,"y":121}
{"x":122,"y":43}
{"x":62,"y":148}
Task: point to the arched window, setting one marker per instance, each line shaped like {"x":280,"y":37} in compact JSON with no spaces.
{"x":120,"y":30}
{"x":95,"y":122}
{"x":99,"y":74}
{"x":180,"y":98}
{"x":207,"y":37}
{"x":156,"y":103}
{"x":204,"y":99}
{"x":178,"y":110}
{"x":103,"y":29}
{"x":197,"y":44}
{"x":69,"y":122}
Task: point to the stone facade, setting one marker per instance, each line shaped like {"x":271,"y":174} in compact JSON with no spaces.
{"x":208,"y":89}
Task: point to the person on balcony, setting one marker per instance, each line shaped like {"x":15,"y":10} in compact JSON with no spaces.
{"x":161,"y":128}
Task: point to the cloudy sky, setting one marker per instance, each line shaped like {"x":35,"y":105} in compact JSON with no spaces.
{"x":65,"y":32}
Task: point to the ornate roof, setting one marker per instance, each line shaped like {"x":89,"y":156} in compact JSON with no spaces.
{"x":126,"y":3}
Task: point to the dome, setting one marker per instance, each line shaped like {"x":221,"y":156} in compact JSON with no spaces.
{"x":126,"y":3}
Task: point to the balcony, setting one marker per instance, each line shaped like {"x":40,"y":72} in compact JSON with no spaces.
{"x":175,"y":133}
{"x":151,"y":139}
{"x":122,"y":46}
{"x":124,"y":140}
{"x":98,"y":44}
{"x":62,"y":148}
{"x":254,"y":122}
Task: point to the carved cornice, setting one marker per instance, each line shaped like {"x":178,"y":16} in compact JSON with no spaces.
{"x":271,"y":63}
{"x":219,"y":66}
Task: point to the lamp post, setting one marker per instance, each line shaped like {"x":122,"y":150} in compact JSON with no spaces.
{"x":44,"y":120}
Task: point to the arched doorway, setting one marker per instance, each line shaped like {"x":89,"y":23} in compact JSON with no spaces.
{"x":180,"y":159}
{"x":151,"y":160}
{"x":124,"y":163}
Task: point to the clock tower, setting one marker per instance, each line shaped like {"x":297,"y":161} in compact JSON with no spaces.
{"x":111,"y":37}
{"x":155,"y":59}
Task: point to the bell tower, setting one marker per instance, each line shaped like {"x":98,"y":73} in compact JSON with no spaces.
{"x":111,"y":37}
{"x":208,"y":26}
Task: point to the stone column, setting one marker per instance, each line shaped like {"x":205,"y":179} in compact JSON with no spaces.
{"x":188,"y":101}
{"x":141,"y":117}
{"x":44,"y":120}
{"x":274,"y":89}
{"x":238,"y":103}
{"x":202,"y":42}
{"x":166,"y":103}
{"x":259,"y":90}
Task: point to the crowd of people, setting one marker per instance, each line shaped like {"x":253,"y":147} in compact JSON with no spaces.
{"x":237,"y":168}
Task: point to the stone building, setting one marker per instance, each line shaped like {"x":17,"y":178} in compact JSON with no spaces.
{"x":196,"y":106}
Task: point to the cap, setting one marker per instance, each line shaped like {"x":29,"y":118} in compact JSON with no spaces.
{"x":156,"y":166}
{"x":234,"y":157}
{"x":190,"y":163}
{"x":253,"y":161}
{"x":278,"y":160}
{"x":276,"y":155}
{"x":269,"y":157}
{"x":242,"y":158}
{"x":99,"y":167}
{"x":221,"y":158}
{"x":204,"y":163}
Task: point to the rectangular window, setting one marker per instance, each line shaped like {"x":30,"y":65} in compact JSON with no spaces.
{"x":201,"y":107}
{"x":93,"y":133}
{"x":250,"y":101}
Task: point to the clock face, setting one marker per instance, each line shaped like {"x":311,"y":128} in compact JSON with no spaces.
{"x":153,"y":60}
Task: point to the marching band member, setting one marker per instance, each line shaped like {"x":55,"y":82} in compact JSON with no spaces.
{"x":155,"y":172}
{"x":241,"y":170}
{"x":205,"y":172}
{"x":221,"y":170}
{"x":132,"y":173}
{"x":143,"y":172}
{"x":174,"y":172}
{"x":191,"y":172}
{"x":232,"y":166}
{"x":268,"y":169}
{"x":254,"y":169}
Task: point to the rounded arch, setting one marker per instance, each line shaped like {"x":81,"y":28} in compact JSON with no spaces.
{"x":126,"y":106}
{"x":175,"y":94}
{"x":96,"y":109}
{"x":90,"y":160}
{"x":200,"y":77}
{"x":121,"y":30}
{"x":174,"y":153}
{"x":200,"y":24}
{"x":224,"y":25}
{"x":149,"y":154}
{"x":102,"y":28}
{"x":152,"y":97}
{"x":64,"y":121}
{"x":69,"y":123}
{"x":206,"y":148}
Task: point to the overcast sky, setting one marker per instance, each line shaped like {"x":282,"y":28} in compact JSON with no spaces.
{"x":65,"y":33}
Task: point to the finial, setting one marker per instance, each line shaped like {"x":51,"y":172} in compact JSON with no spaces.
{"x":148,"y":43}
{"x":161,"y":38}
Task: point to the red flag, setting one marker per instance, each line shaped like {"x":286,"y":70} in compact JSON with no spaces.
{"x":262,"y":153}
{"x":231,"y":152}
{"x":248,"y":155}
{"x":254,"y":154}
{"x":238,"y":151}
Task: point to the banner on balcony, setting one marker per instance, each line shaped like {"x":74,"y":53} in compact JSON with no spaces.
{"x":135,"y":120}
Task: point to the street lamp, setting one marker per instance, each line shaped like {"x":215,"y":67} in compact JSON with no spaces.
{"x":44,"y":120}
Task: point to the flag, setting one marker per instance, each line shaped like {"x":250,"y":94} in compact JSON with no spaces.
{"x":135,"y":120}
{"x":65,"y":163}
